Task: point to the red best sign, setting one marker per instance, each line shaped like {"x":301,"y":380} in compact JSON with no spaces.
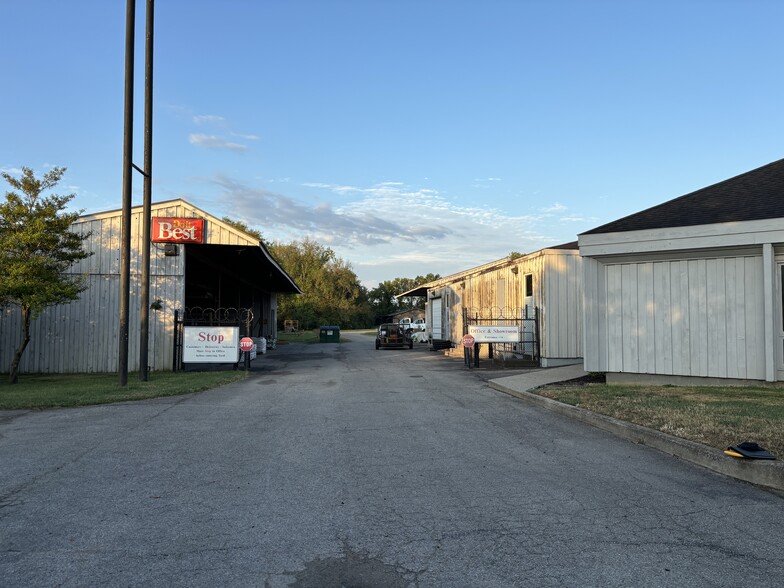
{"x":177,"y":230}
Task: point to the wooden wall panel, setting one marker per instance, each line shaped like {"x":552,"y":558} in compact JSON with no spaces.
{"x":594,"y":343}
{"x":754,"y":307}
{"x":558,"y":291}
{"x":697,"y":317}
{"x":615,"y":324}
{"x":661,"y":351}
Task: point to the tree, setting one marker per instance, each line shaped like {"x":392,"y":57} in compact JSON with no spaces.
{"x":384,"y":296}
{"x":242,"y":226}
{"x":418,"y":301}
{"x":332,"y":294}
{"x":36,"y":248}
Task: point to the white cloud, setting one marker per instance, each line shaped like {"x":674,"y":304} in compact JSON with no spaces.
{"x":209,"y":119}
{"x":215,"y":142}
{"x":12,"y":171}
{"x":392,"y":230}
{"x":577,"y":219}
{"x":557,"y":207}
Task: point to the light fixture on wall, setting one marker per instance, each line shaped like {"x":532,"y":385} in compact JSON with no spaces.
{"x":515,"y":269}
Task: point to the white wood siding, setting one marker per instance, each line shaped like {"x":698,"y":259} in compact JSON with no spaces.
{"x":83,"y":336}
{"x":557,"y":292}
{"x":690,"y":317}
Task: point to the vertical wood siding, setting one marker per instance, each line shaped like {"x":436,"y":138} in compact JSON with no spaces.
{"x":691,"y":317}
{"x":558,"y":293}
{"x":560,"y":298}
{"x":82,"y":336}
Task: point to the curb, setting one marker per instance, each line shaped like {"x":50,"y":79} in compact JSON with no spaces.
{"x":769,"y":474}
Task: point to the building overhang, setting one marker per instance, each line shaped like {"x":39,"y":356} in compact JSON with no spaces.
{"x":248,"y":264}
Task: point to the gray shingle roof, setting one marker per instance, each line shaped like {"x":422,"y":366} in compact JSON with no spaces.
{"x":754,"y":195}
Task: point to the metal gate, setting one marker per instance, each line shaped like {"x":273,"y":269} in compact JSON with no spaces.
{"x":208,"y":317}
{"x":525,"y":352}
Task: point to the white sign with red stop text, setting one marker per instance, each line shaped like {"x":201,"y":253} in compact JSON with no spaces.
{"x":210,"y":344}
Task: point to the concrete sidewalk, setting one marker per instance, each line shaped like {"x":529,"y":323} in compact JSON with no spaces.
{"x":536,"y":378}
{"x":761,"y":472}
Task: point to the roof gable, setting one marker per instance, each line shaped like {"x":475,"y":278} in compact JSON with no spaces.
{"x":755,"y":195}
{"x":218,"y":231}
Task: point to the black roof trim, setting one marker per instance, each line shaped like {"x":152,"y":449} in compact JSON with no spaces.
{"x":755,"y":195}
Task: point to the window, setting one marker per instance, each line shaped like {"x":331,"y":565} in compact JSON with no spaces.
{"x":529,"y":285}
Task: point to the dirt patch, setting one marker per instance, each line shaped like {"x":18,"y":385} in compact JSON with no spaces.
{"x":583,"y":380}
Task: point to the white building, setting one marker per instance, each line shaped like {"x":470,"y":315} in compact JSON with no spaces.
{"x":692,"y":288}
{"x":544,"y":286}
{"x":227,"y":269}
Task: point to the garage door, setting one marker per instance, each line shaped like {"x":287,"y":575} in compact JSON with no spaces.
{"x":435,"y":318}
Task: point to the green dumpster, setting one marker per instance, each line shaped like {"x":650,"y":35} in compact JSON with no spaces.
{"x":329,"y":334}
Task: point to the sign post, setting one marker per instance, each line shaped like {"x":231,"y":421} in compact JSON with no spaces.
{"x":246,"y":345}
{"x":468,"y":345}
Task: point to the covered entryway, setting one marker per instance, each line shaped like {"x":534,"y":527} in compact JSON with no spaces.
{"x":236,"y":276}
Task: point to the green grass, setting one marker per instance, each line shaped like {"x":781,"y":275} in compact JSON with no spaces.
{"x":312,"y":336}
{"x":61,"y":390}
{"x":717,"y":417}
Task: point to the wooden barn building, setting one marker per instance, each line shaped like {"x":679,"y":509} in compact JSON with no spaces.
{"x":691,"y":290}
{"x":539,"y":295}
{"x":225,"y":269}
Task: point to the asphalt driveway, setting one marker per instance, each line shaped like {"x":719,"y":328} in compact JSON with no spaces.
{"x":340,"y":465}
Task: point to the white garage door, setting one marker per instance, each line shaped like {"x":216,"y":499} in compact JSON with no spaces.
{"x":435,"y":318}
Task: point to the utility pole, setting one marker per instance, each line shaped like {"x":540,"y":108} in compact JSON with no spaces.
{"x":125,"y":245}
{"x":144,"y":320}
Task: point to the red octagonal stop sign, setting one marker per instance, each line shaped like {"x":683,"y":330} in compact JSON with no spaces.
{"x":468,"y":340}
{"x":246,"y":344}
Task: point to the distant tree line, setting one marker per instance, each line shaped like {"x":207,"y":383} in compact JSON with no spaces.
{"x":384,"y":299}
{"x":333,"y":294}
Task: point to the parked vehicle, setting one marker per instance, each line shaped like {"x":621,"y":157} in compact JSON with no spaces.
{"x":394,"y":335}
{"x":417,"y":325}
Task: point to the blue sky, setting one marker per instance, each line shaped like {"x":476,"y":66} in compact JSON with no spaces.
{"x":410,"y":136}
